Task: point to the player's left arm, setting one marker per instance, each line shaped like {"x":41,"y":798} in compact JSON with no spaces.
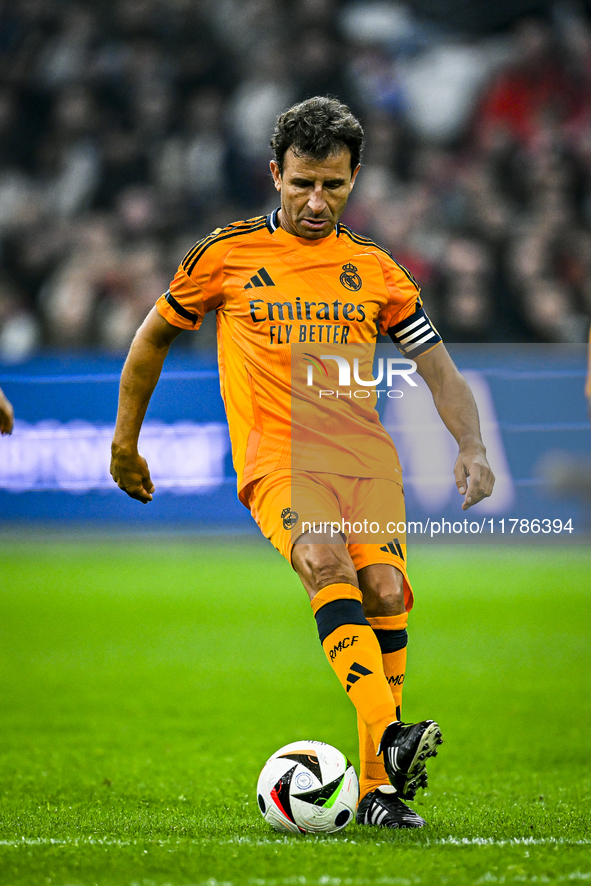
{"x":456,"y":406}
{"x":6,"y":414}
{"x":588,"y":379}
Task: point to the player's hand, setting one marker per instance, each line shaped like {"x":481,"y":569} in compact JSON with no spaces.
{"x":6,"y":414}
{"x":474,"y":478}
{"x":131,"y":473}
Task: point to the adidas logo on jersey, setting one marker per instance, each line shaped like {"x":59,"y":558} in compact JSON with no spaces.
{"x":261,"y":278}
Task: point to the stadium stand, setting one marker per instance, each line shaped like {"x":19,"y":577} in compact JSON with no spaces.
{"x":130,"y":128}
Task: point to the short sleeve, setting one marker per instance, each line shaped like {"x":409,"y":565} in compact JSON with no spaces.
{"x":195,"y":289}
{"x":403,"y":317}
{"x":403,"y":294}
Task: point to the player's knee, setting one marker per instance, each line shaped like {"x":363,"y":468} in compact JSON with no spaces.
{"x":382,"y":587}
{"x":322,"y":565}
{"x":384,"y":602}
{"x":327,"y":573}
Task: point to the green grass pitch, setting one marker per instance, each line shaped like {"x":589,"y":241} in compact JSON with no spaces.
{"x":143,"y":683}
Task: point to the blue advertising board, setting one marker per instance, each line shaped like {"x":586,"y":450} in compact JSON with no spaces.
{"x":55,"y":466}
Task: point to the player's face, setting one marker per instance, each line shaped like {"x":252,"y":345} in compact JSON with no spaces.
{"x":313,"y":192}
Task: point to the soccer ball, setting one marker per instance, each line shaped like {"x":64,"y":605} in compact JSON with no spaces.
{"x":308,"y":787}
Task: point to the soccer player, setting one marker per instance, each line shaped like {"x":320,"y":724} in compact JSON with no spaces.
{"x":6,"y":414}
{"x":282,"y":285}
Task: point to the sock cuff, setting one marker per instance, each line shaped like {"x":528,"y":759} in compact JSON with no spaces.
{"x":389,"y":622}
{"x":330,"y":593}
{"x":340,"y":614}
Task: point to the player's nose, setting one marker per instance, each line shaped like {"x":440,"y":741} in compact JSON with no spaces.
{"x":317,"y":203}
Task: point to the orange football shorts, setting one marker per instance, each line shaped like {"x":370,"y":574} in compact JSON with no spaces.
{"x":367,"y":514}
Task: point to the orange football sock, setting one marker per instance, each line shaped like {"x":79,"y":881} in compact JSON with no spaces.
{"x":354,"y":653}
{"x":391,"y":635}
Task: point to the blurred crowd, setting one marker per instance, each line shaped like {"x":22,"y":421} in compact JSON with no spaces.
{"x":131,"y":128}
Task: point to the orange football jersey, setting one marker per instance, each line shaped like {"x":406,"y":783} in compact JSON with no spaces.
{"x":286,"y":307}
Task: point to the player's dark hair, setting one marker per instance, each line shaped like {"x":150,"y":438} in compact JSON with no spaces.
{"x":317,"y":128}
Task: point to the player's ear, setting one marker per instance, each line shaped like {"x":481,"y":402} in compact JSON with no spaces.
{"x":275,"y":172}
{"x":354,"y":175}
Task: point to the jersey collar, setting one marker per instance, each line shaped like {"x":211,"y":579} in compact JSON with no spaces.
{"x":274,"y":225}
{"x":273,"y":220}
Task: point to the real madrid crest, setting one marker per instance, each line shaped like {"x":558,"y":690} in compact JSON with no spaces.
{"x":289,"y":518}
{"x":350,"y":278}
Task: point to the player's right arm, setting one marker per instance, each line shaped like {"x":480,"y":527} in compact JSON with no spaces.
{"x":138,"y":379}
{"x":6,"y":414}
{"x":588,"y":379}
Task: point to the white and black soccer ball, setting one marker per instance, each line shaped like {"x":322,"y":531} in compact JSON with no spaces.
{"x":308,"y":787}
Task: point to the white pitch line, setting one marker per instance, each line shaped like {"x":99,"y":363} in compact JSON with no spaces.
{"x":248,"y":841}
{"x":512,"y":841}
